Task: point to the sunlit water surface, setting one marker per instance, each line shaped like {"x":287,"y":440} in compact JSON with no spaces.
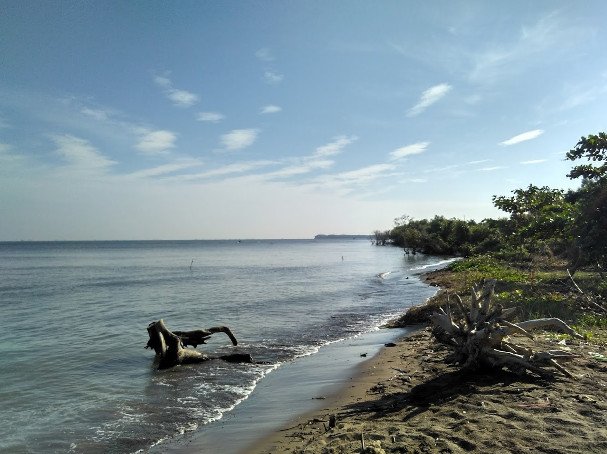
{"x":75,"y":375}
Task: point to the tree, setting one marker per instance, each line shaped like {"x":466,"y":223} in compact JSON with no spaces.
{"x":593,"y":148}
{"x":591,"y":199}
{"x":540,"y":216}
{"x":381,"y":237}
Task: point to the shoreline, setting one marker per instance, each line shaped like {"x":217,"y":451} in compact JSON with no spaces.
{"x":407,"y":399}
{"x":293,"y":389}
{"x":367,"y":374}
{"x":296,"y":388}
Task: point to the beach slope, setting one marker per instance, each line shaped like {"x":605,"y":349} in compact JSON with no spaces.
{"x":407,"y":400}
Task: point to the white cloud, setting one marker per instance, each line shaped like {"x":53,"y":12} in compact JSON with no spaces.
{"x":213,"y":117}
{"x":273,"y":77}
{"x":163,"y":82}
{"x":156,"y":141}
{"x":415,"y":148}
{"x":165,"y":169}
{"x":79,"y":153}
{"x":490,"y":169}
{"x":548,"y":37}
{"x":230,"y":169}
{"x":270,"y":109}
{"x":180,"y":98}
{"x":529,"y":135}
{"x":97,"y":114}
{"x":334,"y":147}
{"x":480,"y":161}
{"x":264,"y":54}
{"x":304,"y":168}
{"x":533,"y":161}
{"x":238,"y":139}
{"x":358,"y":176}
{"x":429,"y":97}
{"x":345,"y":182}
{"x":238,"y":167}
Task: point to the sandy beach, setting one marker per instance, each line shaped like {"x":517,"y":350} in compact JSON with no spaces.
{"x":407,"y":400}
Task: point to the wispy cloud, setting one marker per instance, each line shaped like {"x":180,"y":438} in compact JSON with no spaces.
{"x":269,"y":109}
{"x":165,"y":169}
{"x":305,"y":167}
{"x":334,"y":147}
{"x":529,"y":135}
{"x":490,"y":169}
{"x":238,"y":139}
{"x":211,"y":117}
{"x":9,"y":157}
{"x":548,"y":36}
{"x":79,"y":153}
{"x":226,"y":170}
{"x":273,"y":77}
{"x":235,"y":168}
{"x":97,"y":114}
{"x":533,"y":161}
{"x":415,"y":148}
{"x":362,"y":175}
{"x":156,"y":141}
{"x":264,"y":54}
{"x":346,"y":182}
{"x":480,"y":161}
{"x":180,"y":98}
{"x":429,"y":97}
{"x":578,"y":96}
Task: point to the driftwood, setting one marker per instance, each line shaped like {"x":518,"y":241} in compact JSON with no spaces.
{"x":482,"y":336}
{"x":170,"y":346}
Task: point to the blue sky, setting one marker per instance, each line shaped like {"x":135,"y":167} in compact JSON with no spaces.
{"x":262,"y":119}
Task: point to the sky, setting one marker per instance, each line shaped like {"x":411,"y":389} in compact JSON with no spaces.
{"x":274,"y":119}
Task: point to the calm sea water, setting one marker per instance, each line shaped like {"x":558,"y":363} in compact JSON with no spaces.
{"x":75,"y":376}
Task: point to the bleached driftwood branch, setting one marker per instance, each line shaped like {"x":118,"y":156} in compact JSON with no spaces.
{"x":482,"y":335}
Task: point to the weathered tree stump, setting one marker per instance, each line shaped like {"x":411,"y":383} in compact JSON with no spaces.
{"x":481,"y":336}
{"x":170,"y":346}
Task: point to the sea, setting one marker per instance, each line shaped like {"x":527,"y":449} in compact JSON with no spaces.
{"x":75,"y":375}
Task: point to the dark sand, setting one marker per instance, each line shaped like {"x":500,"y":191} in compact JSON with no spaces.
{"x":297,"y":387}
{"x":407,"y":400}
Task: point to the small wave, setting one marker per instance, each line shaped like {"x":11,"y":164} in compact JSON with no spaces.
{"x":384,"y":275}
{"x":435,"y":264}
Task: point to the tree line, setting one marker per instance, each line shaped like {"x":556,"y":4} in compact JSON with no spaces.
{"x":570,"y":224}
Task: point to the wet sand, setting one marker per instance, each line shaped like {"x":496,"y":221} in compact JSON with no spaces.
{"x":408,"y":400}
{"x":297,"y":387}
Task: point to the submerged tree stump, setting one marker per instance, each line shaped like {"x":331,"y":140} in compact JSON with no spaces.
{"x":481,"y":336}
{"x":170,"y":346}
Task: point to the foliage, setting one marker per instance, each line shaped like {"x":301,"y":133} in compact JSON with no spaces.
{"x":442,"y":236}
{"x":540,"y":217}
{"x":381,"y":237}
{"x":547,"y":236}
{"x":593,"y":148}
{"x":591,"y":199}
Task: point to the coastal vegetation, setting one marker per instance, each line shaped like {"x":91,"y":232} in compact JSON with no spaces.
{"x":548,"y":256}
{"x":541,"y":221}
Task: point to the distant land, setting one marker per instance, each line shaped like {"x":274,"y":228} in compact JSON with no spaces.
{"x":342,"y":237}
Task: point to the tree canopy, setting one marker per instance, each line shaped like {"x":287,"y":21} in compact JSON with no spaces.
{"x":540,"y":219}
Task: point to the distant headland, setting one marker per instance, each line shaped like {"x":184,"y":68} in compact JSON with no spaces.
{"x":341,"y":237}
